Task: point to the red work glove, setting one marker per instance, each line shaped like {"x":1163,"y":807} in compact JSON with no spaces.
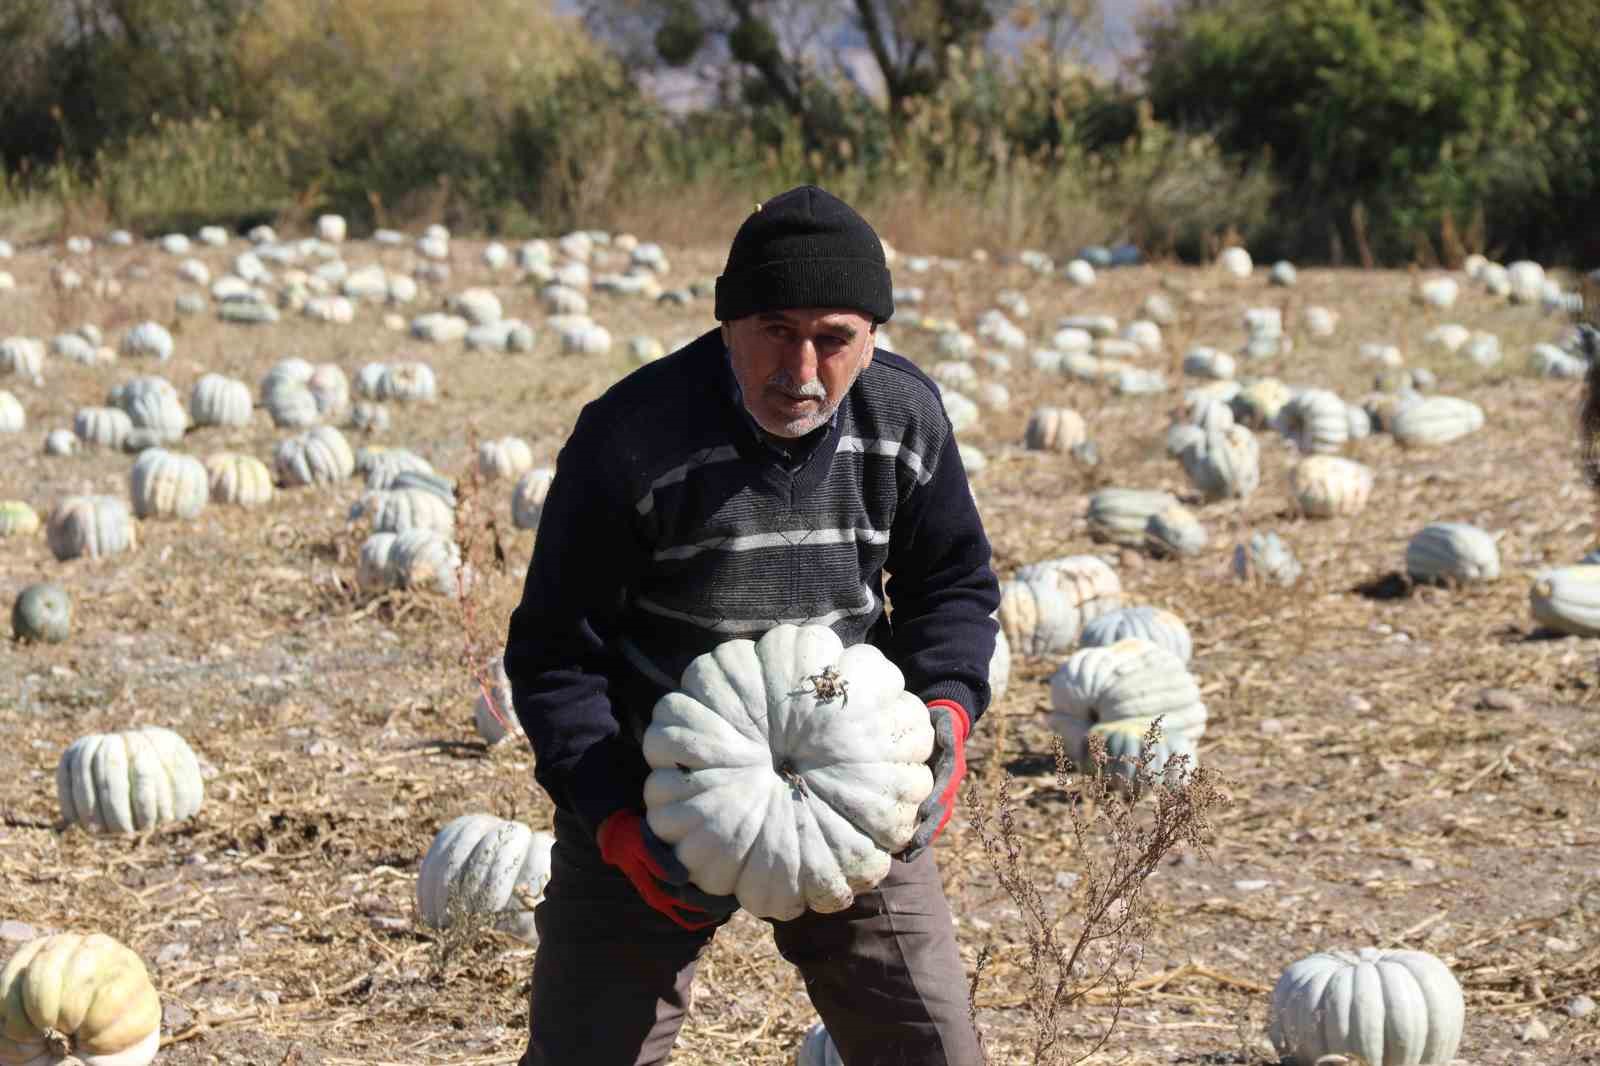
{"x":627,"y":843}
{"x":950,"y":728}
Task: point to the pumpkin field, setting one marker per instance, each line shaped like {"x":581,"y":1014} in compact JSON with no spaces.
{"x":1406,"y":730}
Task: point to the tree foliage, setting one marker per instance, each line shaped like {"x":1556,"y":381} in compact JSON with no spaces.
{"x":1416,"y":110}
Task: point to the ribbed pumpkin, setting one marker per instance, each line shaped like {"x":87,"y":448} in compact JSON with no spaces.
{"x":373,"y":570}
{"x":1452,"y":551}
{"x":291,"y":405}
{"x":17,"y":519}
{"x":165,"y":484}
{"x":1567,"y":599}
{"x":787,"y":771}
{"x":1121,"y":515}
{"x":397,"y":510}
{"x":1223,"y":464}
{"x":22,"y":356}
{"x":493,"y":714}
{"x":1383,"y":1008}
{"x":216,"y":400}
{"x":13,"y":418}
{"x":152,"y":403}
{"x":240,"y":480}
{"x":1316,"y":420}
{"x":407,"y":383}
{"x":1124,"y":748}
{"x":1131,"y":679}
{"x":527,"y":499}
{"x":381,"y":466}
{"x":1055,"y":429}
{"x":480,"y":864}
{"x":86,"y":988}
{"x":1328,"y":485}
{"x":1158,"y":626}
{"x":425,"y":559}
{"x":90,"y":526}
{"x":1206,"y":362}
{"x":103,"y":427}
{"x":1265,"y":557}
{"x":128,"y":782}
{"x":506,"y":457}
{"x":1436,"y":420}
{"x":1044,"y":608}
{"x":1175,"y":530}
{"x":330,"y":389}
{"x":319,"y":456}
{"x":1258,"y":403}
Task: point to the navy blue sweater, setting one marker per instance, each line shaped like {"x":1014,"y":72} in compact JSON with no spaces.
{"x":672,"y":525}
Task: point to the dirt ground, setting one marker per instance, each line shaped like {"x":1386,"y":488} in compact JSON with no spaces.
{"x":1407,"y":767}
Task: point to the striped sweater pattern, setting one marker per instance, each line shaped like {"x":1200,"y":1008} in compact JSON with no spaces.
{"x":673,"y":526}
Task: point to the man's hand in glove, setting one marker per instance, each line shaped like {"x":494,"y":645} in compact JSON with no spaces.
{"x":950,"y":728}
{"x":627,"y":843}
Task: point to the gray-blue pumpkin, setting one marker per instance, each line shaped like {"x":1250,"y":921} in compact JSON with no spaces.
{"x":42,"y":612}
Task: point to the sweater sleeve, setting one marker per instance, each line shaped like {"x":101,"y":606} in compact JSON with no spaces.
{"x":942,"y":590}
{"x":586,"y":553}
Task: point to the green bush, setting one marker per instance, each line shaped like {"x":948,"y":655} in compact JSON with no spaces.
{"x":1409,"y":113}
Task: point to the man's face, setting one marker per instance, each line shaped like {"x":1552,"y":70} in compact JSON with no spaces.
{"x":795,"y":366}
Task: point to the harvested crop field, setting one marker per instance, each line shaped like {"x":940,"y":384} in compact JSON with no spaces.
{"x":1406,"y":765}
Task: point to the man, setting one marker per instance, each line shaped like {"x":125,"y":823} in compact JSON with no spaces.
{"x":771,"y":471}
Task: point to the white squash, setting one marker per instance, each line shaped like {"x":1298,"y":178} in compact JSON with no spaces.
{"x":1452,"y":551}
{"x":291,"y":405}
{"x":1435,"y":420}
{"x":397,"y":510}
{"x":1122,"y":515}
{"x":786,"y":771}
{"x":91,"y":526}
{"x":1055,"y":429}
{"x":380,"y":466}
{"x":330,"y":389}
{"x":150,"y":340}
{"x":1264,"y":557}
{"x":1384,"y":1008}
{"x":86,"y":995}
{"x":128,"y":782}
{"x":1223,"y":464}
{"x":12,"y":416}
{"x":152,"y":403}
{"x":1154,"y":624}
{"x":480,"y":307}
{"x":17,"y":519}
{"x":1175,"y":530}
{"x":1124,"y":749}
{"x":506,"y":457}
{"x":1236,"y":262}
{"x":961,"y":409}
{"x":408,"y":383}
{"x":527,"y":499}
{"x":1131,"y":679}
{"x":999,"y":666}
{"x":374,"y":571}
{"x":1044,"y":608}
{"x":1316,"y":420}
{"x":240,"y":480}
{"x":1328,"y":485}
{"x":102,"y":427}
{"x":1205,"y":362}
{"x":1567,"y":599}
{"x":61,"y":442}
{"x":493,"y":714}
{"x":1257,"y":404}
{"x":426,"y":559}
{"x":216,"y":400}
{"x":319,"y":456}
{"x":24,"y":357}
{"x":480,"y":864}
{"x":165,"y":484}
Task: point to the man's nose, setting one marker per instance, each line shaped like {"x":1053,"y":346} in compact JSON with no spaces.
{"x":800,"y":361}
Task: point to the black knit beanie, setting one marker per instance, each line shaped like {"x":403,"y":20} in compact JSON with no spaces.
{"x":805,"y":248}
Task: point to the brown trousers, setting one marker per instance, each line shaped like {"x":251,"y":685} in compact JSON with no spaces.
{"x":611,"y":977}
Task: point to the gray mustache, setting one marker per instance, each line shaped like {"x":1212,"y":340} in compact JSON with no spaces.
{"x":783,"y":382}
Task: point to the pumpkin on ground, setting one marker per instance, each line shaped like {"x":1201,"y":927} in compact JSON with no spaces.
{"x":42,"y":612}
{"x":397,"y":510}
{"x":507,"y":457}
{"x":1567,"y":599}
{"x":90,"y":526}
{"x":527,"y":499}
{"x":1131,"y":679}
{"x":787,"y":771}
{"x":1045,"y":606}
{"x":479,"y":864}
{"x":1265,"y":557}
{"x":319,"y":456}
{"x":1435,"y":420}
{"x":216,"y":400}
{"x":1328,"y":485}
{"x":1316,"y":420}
{"x":13,"y":418}
{"x":1385,"y":1008}
{"x":1124,"y":744}
{"x":373,"y":570}
{"x":1175,"y":530}
{"x":1452,"y":551}
{"x":1122,"y":515}
{"x":165,"y":484}
{"x":1154,"y":624}
{"x":492,"y":712}
{"x":128,"y":782}
{"x":84,"y":991}
{"x":426,"y":559}
{"x":1223,"y":463}
{"x":1055,"y":429}
{"x":17,"y":519}
{"x":103,"y":427}
{"x":241,"y":480}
